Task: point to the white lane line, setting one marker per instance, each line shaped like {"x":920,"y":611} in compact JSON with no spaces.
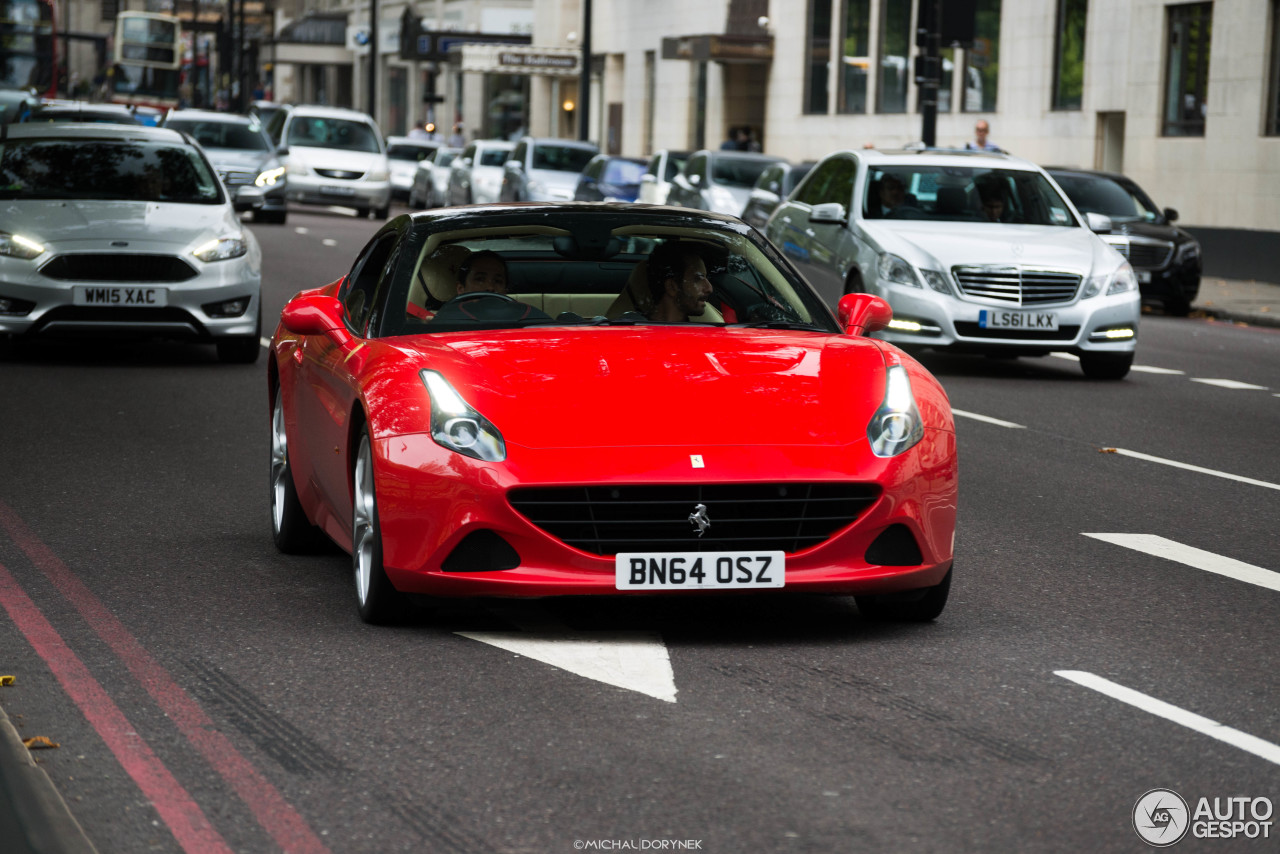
{"x":1189,"y":467}
{"x":1148,"y":369}
{"x":1193,"y":557}
{"x":1231,"y":384}
{"x":329,"y":241}
{"x":1234,"y":737}
{"x":987,"y":419}
{"x":301,"y":230}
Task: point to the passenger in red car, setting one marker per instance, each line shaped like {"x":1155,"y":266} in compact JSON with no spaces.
{"x":678,"y":281}
{"x":485,"y":273}
{"x":482,"y":271}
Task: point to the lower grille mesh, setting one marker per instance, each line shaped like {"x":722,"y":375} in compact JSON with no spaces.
{"x":605,"y":520}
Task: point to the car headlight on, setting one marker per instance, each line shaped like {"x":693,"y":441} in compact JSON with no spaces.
{"x":221,"y":249}
{"x":897,"y":425}
{"x":17,"y":246}
{"x":1118,"y":281}
{"x":458,"y":427}
{"x":896,"y":270}
{"x":270,"y":177}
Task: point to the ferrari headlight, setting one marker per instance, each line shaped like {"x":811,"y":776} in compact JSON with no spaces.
{"x":897,"y":425}
{"x":17,"y":246}
{"x":221,"y":249}
{"x":458,"y":427}
{"x":270,"y":177}
{"x":897,"y":270}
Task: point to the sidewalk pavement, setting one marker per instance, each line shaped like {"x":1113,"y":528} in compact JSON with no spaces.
{"x":32,"y":814}
{"x":1239,"y":301}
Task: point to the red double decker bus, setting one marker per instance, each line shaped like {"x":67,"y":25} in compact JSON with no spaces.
{"x":28,"y":55}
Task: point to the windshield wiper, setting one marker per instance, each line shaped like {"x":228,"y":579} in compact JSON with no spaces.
{"x":777,"y":324}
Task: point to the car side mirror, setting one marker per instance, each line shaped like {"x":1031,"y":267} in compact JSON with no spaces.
{"x":248,"y":198}
{"x":862,"y":314}
{"x":828,"y":213}
{"x":1170,"y":215}
{"x":316,"y":314}
{"x":1098,"y":223}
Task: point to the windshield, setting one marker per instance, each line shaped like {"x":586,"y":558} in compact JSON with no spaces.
{"x":1096,"y":194}
{"x":222,"y":134}
{"x":493,"y":156}
{"x":317,"y":132}
{"x":561,"y":158}
{"x":444,"y":158}
{"x":105,"y":169}
{"x":414,"y":153}
{"x":735,"y":172}
{"x":593,"y":271}
{"x":964,"y":194}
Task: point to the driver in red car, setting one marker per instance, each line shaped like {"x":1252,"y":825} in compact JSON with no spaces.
{"x":678,"y":281}
{"x":485,"y":273}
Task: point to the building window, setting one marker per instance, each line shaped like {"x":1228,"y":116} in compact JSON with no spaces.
{"x":856,"y":59}
{"x":895,"y":51}
{"x":1068,"y":72}
{"x":982,"y":61}
{"x":1186,"y":79}
{"x":818,"y":58}
{"x":1273,"y":104}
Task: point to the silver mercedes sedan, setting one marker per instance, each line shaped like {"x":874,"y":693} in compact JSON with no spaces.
{"x":124,"y":231}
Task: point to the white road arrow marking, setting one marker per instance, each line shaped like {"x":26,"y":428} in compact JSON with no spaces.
{"x":636,"y":661}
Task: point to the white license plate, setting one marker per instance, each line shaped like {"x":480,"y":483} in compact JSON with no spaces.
{"x":699,"y":570}
{"x":1033,"y":320}
{"x":1144,"y":277}
{"x":123,"y":295}
{"x":337,"y":191}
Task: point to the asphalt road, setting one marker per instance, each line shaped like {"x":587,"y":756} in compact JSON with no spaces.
{"x":211,"y":694}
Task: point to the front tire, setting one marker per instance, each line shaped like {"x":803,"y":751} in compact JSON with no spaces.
{"x":912,"y":606}
{"x":291,"y":530}
{"x":1106,"y":366}
{"x":382,"y":212}
{"x":378,"y":601}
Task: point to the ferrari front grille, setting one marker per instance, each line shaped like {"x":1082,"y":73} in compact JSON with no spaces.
{"x":118,"y":267}
{"x":605,"y":520}
{"x":1017,"y":285}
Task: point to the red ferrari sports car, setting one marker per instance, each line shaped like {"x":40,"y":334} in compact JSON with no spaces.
{"x":543,"y":400}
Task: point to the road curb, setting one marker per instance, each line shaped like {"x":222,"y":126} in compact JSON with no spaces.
{"x":1250,"y":318}
{"x":34,"y":819}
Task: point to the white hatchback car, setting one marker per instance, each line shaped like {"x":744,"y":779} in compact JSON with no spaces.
{"x":334,"y":157}
{"x":124,"y":230}
{"x":974,"y":251}
{"x":475,"y":176}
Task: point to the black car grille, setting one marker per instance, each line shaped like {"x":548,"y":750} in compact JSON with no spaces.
{"x":1016,"y":285}
{"x":606,"y":520}
{"x":969,"y":329}
{"x":1149,"y":256}
{"x":341,"y":174}
{"x":118,"y":267}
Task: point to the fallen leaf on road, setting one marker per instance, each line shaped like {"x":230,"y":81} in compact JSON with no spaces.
{"x":7,"y":680}
{"x":1106,"y":450}
{"x":40,"y":742}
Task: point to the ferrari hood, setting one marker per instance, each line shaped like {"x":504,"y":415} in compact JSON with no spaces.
{"x":628,"y":387}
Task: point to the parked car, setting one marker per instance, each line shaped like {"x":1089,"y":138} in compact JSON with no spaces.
{"x":544,"y":170}
{"x":404,"y":154}
{"x":805,"y":458}
{"x":719,"y":181}
{"x":112,"y":230}
{"x":239,"y":148}
{"x":774,"y":184}
{"x":83,"y":111}
{"x":431,"y":179}
{"x":974,"y":251}
{"x":475,"y":176}
{"x":334,"y":157}
{"x":264,"y":110}
{"x":1165,"y":258}
{"x":664,"y":166}
{"x":610,"y":178}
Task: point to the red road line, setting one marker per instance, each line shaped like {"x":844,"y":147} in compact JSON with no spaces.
{"x":176,"y":807}
{"x":275,"y":814}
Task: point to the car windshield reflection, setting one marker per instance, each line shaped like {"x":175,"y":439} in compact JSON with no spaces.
{"x":964,"y":194}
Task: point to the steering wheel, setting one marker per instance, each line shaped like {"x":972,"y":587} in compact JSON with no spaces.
{"x":482,"y":294}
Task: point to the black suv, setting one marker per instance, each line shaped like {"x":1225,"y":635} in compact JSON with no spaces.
{"x":1165,"y":258}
